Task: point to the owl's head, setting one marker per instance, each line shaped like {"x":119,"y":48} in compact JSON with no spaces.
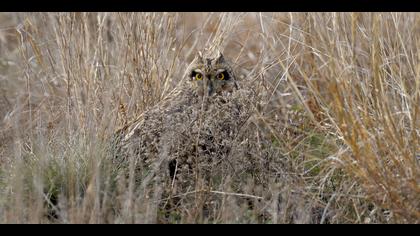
{"x":211,"y":74}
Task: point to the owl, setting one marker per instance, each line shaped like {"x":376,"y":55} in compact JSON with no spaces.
{"x":193,"y":127}
{"x":210,"y":76}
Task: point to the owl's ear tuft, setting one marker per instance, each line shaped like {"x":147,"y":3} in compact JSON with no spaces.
{"x":199,"y":56}
{"x":220,"y":58}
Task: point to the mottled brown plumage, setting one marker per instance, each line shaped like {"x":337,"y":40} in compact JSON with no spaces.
{"x":195,"y":125}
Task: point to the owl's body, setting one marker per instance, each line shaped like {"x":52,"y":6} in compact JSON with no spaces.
{"x":194,"y":125}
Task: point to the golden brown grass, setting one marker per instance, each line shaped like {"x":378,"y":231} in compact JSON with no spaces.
{"x":338,"y":100}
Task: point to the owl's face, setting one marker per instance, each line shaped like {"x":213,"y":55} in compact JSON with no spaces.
{"x":211,"y":75}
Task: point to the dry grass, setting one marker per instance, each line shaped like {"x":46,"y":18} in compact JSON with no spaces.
{"x":335,"y":128}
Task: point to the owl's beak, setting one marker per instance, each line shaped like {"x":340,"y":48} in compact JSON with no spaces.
{"x":209,"y":87}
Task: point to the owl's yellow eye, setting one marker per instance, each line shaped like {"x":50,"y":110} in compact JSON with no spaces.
{"x":221,"y":76}
{"x":198,"y":76}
